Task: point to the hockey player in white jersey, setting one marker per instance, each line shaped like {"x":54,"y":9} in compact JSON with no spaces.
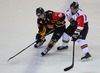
{"x":77,"y":29}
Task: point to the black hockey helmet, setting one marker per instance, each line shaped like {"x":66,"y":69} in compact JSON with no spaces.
{"x":39,"y":11}
{"x":74,"y":5}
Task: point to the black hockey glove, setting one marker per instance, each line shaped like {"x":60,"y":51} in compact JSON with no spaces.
{"x":75,"y":36}
{"x":38,"y":38}
{"x":73,"y":23}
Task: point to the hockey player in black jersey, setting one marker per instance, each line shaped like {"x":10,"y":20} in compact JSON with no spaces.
{"x":48,"y":20}
{"x":44,"y":25}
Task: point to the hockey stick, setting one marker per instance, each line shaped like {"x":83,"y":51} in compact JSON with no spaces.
{"x":21,"y":51}
{"x":68,"y":68}
{"x":29,"y":46}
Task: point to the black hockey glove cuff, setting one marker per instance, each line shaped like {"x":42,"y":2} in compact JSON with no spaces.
{"x":75,"y":36}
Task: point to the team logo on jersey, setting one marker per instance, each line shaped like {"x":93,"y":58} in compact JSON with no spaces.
{"x":60,"y":15}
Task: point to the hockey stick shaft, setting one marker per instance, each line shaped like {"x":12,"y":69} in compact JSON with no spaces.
{"x":72,"y":65}
{"x":28,"y":46}
{"x":73,"y":53}
{"x":20,"y":51}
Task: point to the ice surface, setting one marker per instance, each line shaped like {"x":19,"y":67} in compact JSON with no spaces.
{"x":18,"y":28}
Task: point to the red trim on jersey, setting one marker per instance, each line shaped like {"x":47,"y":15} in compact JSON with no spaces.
{"x":80,"y":21}
{"x":57,"y":15}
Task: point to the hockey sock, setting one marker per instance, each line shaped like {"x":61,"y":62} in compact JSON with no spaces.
{"x":51,"y":44}
{"x":65,"y":39}
{"x":83,"y":45}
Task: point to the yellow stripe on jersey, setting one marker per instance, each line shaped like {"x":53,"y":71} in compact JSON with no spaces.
{"x":62,"y":22}
{"x":43,"y":32}
{"x":50,"y":26}
{"x":58,"y":22}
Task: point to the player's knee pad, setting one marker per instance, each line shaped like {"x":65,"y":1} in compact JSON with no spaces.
{"x":65,"y":37}
{"x":81,"y":42}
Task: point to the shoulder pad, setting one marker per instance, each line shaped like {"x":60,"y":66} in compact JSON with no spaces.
{"x":49,"y":12}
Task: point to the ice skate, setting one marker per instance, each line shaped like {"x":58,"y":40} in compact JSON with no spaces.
{"x":62,"y":47}
{"x":87,"y":57}
{"x":39,"y":44}
{"x":45,"y":51}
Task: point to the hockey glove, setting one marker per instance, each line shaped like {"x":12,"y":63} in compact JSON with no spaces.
{"x":75,"y":36}
{"x":38,"y":38}
{"x":73,"y":23}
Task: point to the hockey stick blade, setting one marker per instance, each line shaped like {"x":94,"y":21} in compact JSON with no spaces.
{"x":20,"y":52}
{"x":68,"y":68}
{"x":9,"y":59}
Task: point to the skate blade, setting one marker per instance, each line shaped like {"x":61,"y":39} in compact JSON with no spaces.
{"x":87,"y":59}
